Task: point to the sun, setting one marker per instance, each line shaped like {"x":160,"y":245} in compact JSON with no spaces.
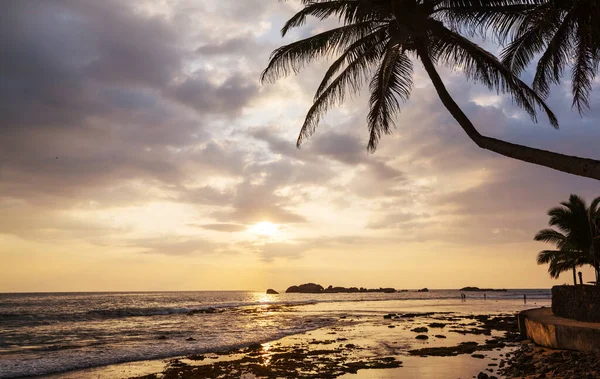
{"x":265,"y":228}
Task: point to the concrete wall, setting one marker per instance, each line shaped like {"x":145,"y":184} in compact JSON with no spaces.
{"x":545,"y":329}
{"x":580,"y":302}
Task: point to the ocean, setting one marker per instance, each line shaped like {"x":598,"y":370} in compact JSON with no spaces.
{"x":46,"y":333}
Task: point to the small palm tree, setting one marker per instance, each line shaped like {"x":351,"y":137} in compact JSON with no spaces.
{"x":576,"y":240}
{"x":379,"y":39}
{"x":561,"y":260}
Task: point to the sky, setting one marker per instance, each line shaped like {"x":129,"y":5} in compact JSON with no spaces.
{"x":139,"y":151}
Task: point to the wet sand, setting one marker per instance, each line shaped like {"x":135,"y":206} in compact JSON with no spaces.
{"x":361,"y":346}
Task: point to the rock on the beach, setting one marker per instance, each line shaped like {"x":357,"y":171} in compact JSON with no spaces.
{"x":163,"y":337}
{"x":421,"y":329}
{"x":440,"y":336}
{"x":422,"y":337}
{"x":271,"y":291}
{"x":483,"y":375}
{"x":478,"y":356}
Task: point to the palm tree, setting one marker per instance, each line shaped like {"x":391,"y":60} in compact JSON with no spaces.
{"x":560,"y":260}
{"x":576,"y":240}
{"x":383,"y":37}
{"x":560,"y":32}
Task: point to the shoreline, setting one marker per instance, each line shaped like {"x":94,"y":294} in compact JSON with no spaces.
{"x":356,"y":344}
{"x":287,"y":322}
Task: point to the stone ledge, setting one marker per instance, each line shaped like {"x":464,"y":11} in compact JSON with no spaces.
{"x":544,"y":328}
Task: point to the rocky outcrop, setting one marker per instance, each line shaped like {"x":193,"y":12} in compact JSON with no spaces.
{"x":305,"y":288}
{"x":317,"y":288}
{"x":271,"y":291}
{"x":477,"y":289}
{"x":423,"y":290}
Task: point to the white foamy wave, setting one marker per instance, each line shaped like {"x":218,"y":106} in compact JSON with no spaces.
{"x":50,"y":362}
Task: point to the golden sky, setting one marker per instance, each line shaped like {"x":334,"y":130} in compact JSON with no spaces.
{"x":139,"y":152}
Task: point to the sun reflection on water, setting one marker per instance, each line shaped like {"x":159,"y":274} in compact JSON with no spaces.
{"x":265,"y":353}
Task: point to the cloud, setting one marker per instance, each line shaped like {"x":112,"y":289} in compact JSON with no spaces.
{"x":230,"y":228}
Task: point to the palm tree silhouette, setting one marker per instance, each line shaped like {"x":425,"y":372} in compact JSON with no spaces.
{"x":560,"y":32}
{"x":384,"y":36}
{"x":563,"y":31}
{"x":576,"y":240}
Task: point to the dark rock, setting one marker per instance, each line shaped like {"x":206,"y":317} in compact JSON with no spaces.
{"x":391,"y":326}
{"x":317,"y":288}
{"x":423,"y":290}
{"x":437,"y":325}
{"x":421,"y":329}
{"x":163,"y":337}
{"x":271,"y":291}
{"x":190,"y":339}
{"x":478,"y":356}
{"x":306,"y":288}
{"x":205,"y":310}
{"x":440,"y":336}
{"x":389,"y":315}
{"x":477,"y":289}
{"x":422,"y":337}
{"x":483,"y":375}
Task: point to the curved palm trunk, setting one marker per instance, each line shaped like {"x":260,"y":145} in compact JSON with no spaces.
{"x":570,"y":164}
{"x":574,"y":276}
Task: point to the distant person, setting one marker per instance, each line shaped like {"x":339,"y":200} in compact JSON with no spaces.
{"x":484,"y":296}
{"x":524,"y":299}
{"x":463,"y":297}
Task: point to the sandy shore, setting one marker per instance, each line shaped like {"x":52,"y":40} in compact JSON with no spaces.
{"x":406,"y":345}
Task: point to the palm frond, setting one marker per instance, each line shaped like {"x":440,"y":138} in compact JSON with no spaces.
{"x":343,"y":9}
{"x":551,"y":236}
{"x":391,"y":83}
{"x":583,"y":71}
{"x":352,"y":77}
{"x":352,"y":53}
{"x":483,"y":67}
{"x":292,"y":57}
{"x":555,"y":57}
{"x":530,"y":38}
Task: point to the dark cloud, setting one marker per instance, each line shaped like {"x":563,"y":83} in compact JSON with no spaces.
{"x":206,"y":97}
{"x":91,"y":97}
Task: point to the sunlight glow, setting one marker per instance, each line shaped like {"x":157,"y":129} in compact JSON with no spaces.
{"x":265,"y":229}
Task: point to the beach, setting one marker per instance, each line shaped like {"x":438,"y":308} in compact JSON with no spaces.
{"x":369,"y":335}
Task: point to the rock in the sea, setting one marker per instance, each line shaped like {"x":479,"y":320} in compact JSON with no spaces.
{"x":305,"y":288}
{"x":271,"y":291}
{"x":163,"y":337}
{"x":423,"y":290}
{"x":190,"y":339}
